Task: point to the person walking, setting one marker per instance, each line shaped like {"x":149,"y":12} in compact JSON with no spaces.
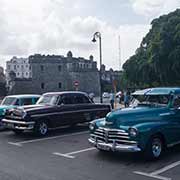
{"x":112,"y":100}
{"x":126,"y":99}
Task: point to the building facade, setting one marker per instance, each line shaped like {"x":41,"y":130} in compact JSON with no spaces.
{"x":110,"y":78}
{"x":2,"y":83}
{"x":20,"y":67}
{"x":55,"y":73}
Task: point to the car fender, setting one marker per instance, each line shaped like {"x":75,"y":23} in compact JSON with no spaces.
{"x":148,"y":129}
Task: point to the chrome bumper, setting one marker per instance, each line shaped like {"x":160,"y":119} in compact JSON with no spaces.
{"x":114,"y":146}
{"x":21,"y":125}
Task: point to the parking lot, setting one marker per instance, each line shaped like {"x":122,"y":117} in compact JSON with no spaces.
{"x":66,"y":154}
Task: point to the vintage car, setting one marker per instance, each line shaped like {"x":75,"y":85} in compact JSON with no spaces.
{"x":54,"y":110}
{"x":150,"y":125}
{"x":13,"y":101}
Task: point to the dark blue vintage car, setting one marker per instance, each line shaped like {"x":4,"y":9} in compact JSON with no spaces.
{"x":53,"y":110}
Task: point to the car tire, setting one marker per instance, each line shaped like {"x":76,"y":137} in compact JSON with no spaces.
{"x":41,"y":128}
{"x":154,"y":148}
{"x":18,"y":131}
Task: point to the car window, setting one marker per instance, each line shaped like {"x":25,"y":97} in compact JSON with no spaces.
{"x":16,"y":102}
{"x":9,"y":101}
{"x":177,"y":102}
{"x":34,"y":100}
{"x":80,"y":99}
{"x":66,"y":99}
{"x":26,"y":101}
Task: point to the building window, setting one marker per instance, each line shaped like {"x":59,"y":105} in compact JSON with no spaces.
{"x":59,"y":68}
{"x":15,"y":67}
{"x":26,"y":73}
{"x":42,"y":85}
{"x":42,"y":68}
{"x":9,"y":66}
{"x":29,"y":67}
{"x":60,"y":85}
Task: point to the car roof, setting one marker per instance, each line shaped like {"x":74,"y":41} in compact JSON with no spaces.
{"x":158,"y":91}
{"x":65,"y":92}
{"x":25,"y":96}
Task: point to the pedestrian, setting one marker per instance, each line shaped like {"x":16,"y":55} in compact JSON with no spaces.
{"x":112,"y":100}
{"x":91,"y":96}
{"x":126,"y":99}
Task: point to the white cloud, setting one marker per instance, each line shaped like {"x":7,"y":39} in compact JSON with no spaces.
{"x":153,"y":8}
{"x":50,"y":27}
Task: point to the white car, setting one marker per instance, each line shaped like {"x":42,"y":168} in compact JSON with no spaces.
{"x":106,"y":95}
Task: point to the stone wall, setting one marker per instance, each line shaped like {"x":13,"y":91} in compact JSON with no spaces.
{"x":52,"y":77}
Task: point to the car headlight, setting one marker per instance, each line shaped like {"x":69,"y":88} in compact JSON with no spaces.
{"x":24,"y":114}
{"x":4,"y":112}
{"x":91,"y":126}
{"x":133,"y":132}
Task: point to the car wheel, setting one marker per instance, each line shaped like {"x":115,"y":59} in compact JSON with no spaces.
{"x":18,"y":131}
{"x":154,"y":148}
{"x":41,"y":128}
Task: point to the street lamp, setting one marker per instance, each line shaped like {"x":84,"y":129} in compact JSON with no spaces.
{"x":95,"y":36}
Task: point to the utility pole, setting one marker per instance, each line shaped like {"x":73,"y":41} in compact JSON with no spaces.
{"x":119,"y":53}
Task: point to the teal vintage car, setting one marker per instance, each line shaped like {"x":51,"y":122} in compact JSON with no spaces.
{"x":13,"y":101}
{"x":149,"y":125}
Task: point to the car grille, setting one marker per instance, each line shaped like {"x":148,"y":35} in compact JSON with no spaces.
{"x":112,"y":135}
{"x":15,"y":114}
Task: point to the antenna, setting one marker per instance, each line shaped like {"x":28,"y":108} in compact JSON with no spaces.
{"x":119,"y":46}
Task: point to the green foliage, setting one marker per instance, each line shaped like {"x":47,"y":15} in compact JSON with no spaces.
{"x":157,"y":60}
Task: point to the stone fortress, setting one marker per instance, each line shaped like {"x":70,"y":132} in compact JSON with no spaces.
{"x":49,"y":73}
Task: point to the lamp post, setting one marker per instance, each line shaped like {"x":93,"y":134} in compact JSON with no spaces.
{"x":95,"y":36}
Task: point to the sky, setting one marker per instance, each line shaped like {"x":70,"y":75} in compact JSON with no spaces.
{"x":56,"y":26}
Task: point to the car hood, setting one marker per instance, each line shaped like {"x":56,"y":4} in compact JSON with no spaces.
{"x":135,"y":115}
{"x":36,"y":109}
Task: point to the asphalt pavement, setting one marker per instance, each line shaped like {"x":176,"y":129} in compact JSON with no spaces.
{"x":65,"y":154}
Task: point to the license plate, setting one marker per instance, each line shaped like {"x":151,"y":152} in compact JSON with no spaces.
{"x":9,"y":125}
{"x":103,"y":147}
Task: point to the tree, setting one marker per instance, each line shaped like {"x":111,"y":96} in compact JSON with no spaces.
{"x":157,"y":60}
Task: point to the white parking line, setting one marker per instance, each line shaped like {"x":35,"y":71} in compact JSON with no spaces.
{"x":151,"y":175}
{"x":68,"y":155}
{"x":20,"y":143}
{"x":156,"y":173}
{"x":83,"y":150}
{"x":64,"y":155}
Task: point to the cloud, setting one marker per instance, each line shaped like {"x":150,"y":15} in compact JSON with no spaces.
{"x":53,"y":27}
{"x":154,"y":8}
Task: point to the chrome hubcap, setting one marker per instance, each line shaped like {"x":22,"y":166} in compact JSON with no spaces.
{"x":43,"y":128}
{"x":156,"y":147}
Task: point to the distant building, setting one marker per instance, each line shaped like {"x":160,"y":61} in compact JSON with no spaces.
{"x":109,"y":77}
{"x":52,"y":73}
{"x":2,"y":83}
{"x":20,"y":67}
{"x":2,"y":75}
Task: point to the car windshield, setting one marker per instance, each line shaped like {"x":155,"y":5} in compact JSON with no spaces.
{"x":162,"y":100}
{"x":8,"y":101}
{"x":48,"y":100}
